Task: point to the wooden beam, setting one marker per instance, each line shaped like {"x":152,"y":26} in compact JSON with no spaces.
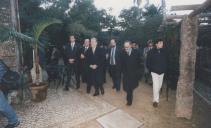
{"x":182,"y":16}
{"x":184,"y":7}
{"x":175,"y":16}
{"x":205,"y":21}
{"x":206,"y":5}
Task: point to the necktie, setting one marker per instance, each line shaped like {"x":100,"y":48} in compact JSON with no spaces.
{"x":112,"y":61}
{"x":128,"y":52}
{"x":93,"y":50}
{"x":85,"y":49}
{"x":72,"y":46}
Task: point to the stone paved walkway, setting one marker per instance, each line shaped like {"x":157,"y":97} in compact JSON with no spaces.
{"x":76,"y":109}
{"x":61,"y":109}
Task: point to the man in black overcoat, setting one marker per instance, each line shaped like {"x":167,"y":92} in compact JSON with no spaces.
{"x":131,"y":70}
{"x":72,"y":55}
{"x":95,"y":60}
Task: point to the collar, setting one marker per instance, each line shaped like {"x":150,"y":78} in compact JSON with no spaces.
{"x":73,"y":43}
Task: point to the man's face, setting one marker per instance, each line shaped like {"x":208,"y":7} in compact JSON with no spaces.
{"x":127,"y":46}
{"x":86,"y":43}
{"x":93,"y":43}
{"x":134,"y":45}
{"x":159,"y":44}
{"x":113,"y":43}
{"x":72,"y":39}
{"x":150,"y":45}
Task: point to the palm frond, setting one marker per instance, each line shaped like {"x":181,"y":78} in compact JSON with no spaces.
{"x":38,"y":28}
{"x":21,"y":37}
{"x":4,"y":33}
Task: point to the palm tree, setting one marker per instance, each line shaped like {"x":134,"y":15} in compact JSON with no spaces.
{"x":34,"y":41}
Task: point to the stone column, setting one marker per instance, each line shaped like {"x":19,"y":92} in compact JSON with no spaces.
{"x":184,"y":95}
{"x":9,"y":50}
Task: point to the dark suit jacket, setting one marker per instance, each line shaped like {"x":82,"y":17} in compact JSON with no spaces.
{"x":131,"y":69}
{"x":83,"y":62}
{"x":117,"y":57}
{"x":72,"y":54}
{"x":95,"y":58}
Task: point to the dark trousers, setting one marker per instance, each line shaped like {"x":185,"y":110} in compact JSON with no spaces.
{"x":95,"y":78}
{"x":84,"y":73}
{"x":71,"y":71}
{"x":116,"y":76}
{"x":129,"y":95}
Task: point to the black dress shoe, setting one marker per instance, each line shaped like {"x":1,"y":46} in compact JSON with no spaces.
{"x":96,"y":94}
{"x":155,"y":104}
{"x":66,"y":89}
{"x":102,"y":91}
{"x":13,"y":125}
{"x":129,"y":103}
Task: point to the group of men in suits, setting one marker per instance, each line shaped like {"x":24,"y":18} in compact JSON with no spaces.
{"x":124,"y":65}
{"x":89,"y":62}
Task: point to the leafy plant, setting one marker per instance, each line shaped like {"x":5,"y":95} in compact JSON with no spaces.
{"x":32,"y":39}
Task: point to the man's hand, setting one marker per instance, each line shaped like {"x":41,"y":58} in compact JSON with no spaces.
{"x":82,"y":56}
{"x":71,"y":61}
{"x":107,"y":55}
{"x":93,"y":66}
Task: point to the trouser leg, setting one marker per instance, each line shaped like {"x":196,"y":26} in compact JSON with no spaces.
{"x":68,"y":77}
{"x":161,"y":81}
{"x":156,"y":87}
{"x":129,"y":96}
{"x":7,"y":110}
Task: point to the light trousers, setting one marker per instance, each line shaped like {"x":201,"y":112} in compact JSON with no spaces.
{"x":157,"y":84}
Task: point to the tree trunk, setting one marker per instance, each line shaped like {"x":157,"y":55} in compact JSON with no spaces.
{"x":184,"y":95}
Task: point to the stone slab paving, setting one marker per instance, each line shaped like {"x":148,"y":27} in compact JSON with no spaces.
{"x":61,"y":109}
{"x":119,"y":119}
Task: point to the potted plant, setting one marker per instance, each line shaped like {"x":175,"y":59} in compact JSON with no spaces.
{"x":38,"y":86}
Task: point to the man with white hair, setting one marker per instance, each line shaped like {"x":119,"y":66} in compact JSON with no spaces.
{"x":95,"y":60}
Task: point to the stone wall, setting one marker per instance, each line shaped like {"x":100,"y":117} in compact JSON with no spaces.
{"x":8,"y":49}
{"x":203,"y":66}
{"x":5,"y":13}
{"x":201,"y":112}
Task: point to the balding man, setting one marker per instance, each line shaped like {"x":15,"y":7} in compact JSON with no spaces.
{"x":130,"y":66}
{"x":115,"y":64}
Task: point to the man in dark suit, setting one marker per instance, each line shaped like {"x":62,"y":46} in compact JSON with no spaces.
{"x":130,"y":67}
{"x":95,"y":60}
{"x":72,"y":53}
{"x":115,"y":65}
{"x":83,"y":61}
